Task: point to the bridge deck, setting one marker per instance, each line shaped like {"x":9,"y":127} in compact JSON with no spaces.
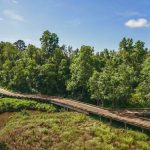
{"x":82,"y":107}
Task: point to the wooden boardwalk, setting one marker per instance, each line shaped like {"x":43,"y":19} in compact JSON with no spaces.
{"x":142,"y":123}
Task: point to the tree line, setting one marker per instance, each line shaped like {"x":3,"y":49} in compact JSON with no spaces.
{"x":115,"y":78}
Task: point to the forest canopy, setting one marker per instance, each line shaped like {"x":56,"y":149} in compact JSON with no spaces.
{"x":116,"y":78}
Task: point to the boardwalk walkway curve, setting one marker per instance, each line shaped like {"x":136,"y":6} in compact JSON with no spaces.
{"x":144,"y":124}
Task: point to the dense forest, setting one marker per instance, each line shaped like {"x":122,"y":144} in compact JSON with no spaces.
{"x":114,"y":78}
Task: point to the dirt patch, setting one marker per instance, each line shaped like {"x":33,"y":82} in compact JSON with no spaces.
{"x":4,"y":117}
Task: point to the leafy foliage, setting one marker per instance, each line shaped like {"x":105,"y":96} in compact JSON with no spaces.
{"x":8,"y":105}
{"x":20,"y":45}
{"x":81,"y":70}
{"x":49,"y":42}
{"x":119,"y":78}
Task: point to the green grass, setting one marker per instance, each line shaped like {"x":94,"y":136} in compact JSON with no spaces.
{"x":9,"y":105}
{"x":67,"y":131}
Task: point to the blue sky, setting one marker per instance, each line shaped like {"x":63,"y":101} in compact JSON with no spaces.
{"x":98,"y":23}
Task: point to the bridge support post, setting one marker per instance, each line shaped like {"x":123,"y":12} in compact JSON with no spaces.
{"x":110,"y":121}
{"x":125,"y":125}
{"x":142,"y":130}
{"x":100,"y":118}
{"x":66,"y":109}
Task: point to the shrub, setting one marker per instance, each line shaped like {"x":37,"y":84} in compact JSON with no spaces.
{"x":9,"y":105}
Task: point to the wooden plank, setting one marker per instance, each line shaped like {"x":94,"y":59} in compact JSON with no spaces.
{"x":84,"y":108}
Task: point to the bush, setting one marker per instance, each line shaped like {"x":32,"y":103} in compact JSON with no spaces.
{"x":9,"y":105}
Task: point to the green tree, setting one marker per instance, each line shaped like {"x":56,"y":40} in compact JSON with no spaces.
{"x":94,"y":88}
{"x":46,"y":79}
{"x":23,"y":74}
{"x":142,"y":92}
{"x":81,"y":70}
{"x":132,"y":54}
{"x":49,"y":42}
{"x":112,"y":85}
{"x":35,"y":54}
{"x":61,"y":61}
{"x":115,"y":77}
{"x":63,"y":76}
{"x":20,"y":44}
{"x":8,"y":56}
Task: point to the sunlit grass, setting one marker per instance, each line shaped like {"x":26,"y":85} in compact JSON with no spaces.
{"x":69,"y":131}
{"x":9,"y":104}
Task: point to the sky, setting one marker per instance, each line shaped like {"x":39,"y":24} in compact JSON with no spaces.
{"x":98,"y":23}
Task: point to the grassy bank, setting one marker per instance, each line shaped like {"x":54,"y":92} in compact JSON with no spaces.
{"x":10,"y":105}
{"x":67,"y":131}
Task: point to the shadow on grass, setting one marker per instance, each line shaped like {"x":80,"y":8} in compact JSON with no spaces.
{"x":118,"y":124}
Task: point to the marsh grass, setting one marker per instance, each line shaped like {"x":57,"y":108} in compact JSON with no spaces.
{"x":68,"y":131}
{"x":10,"y":105}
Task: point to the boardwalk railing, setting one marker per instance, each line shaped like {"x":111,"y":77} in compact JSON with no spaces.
{"x":139,"y":122}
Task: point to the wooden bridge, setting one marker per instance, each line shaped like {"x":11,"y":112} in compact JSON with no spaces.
{"x":125,"y":118}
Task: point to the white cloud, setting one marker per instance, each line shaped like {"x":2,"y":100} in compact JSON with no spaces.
{"x":13,"y":15}
{"x":137,"y":23}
